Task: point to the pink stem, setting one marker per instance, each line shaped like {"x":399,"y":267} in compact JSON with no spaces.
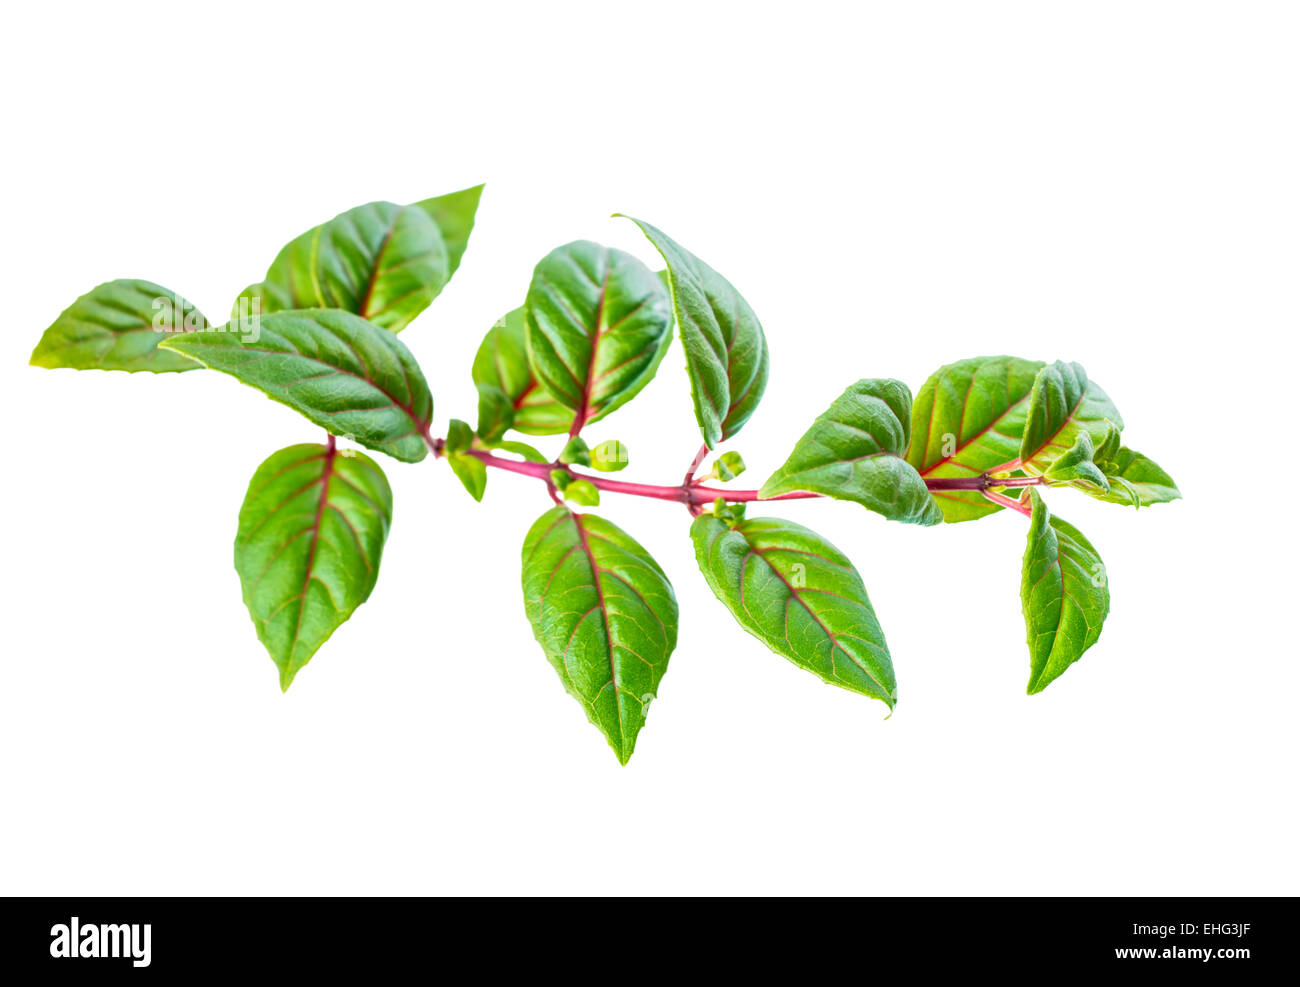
{"x":1009,"y":502}
{"x":692,"y":494}
{"x":695,"y":463}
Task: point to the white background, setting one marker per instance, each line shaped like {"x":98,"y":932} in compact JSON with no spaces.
{"x":893,"y":187}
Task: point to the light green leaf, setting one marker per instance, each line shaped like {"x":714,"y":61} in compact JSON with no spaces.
{"x":582,"y":492}
{"x":799,"y":595}
{"x":502,"y":363}
{"x":1135,"y":479}
{"x":854,"y":451}
{"x":340,"y":371}
{"x":1075,"y":468}
{"x":968,"y":418}
{"x":1063,"y":403}
{"x":1064,"y":594}
{"x":523,"y":449}
{"x":726,"y":351}
{"x":311,"y":533}
{"x":118,"y":326}
{"x":454,"y":213}
{"x":609,"y":456}
{"x":727,"y":467}
{"x":471,"y":471}
{"x":599,"y":323}
{"x":381,"y":261}
{"x":604,"y":614}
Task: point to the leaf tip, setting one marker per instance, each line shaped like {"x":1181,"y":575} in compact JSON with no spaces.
{"x":287,"y":673}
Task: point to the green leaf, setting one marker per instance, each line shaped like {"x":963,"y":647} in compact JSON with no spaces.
{"x":727,"y":467}
{"x":471,"y":471}
{"x":968,"y":418}
{"x":609,"y":456}
{"x":799,"y":595}
{"x":311,"y":533}
{"x":1075,"y":468}
{"x":495,"y":413}
{"x":1062,"y":404}
{"x":604,"y":614}
{"x":502,"y":363}
{"x":599,"y":323}
{"x":459,"y":437}
{"x":726,"y":351}
{"x":118,"y":326}
{"x":344,"y":374}
{"x":454,"y":213}
{"x":854,"y":450}
{"x":381,"y":261}
{"x":1135,"y":479}
{"x":582,"y":492}
{"x":576,"y":452}
{"x":523,"y":449}
{"x":1064,"y":595}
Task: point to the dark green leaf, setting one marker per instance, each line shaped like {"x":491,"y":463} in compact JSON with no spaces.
{"x":344,"y":374}
{"x":311,"y":533}
{"x":1063,"y":592}
{"x":726,"y":351}
{"x":495,"y":413}
{"x":967,"y":419}
{"x":599,"y":323}
{"x":118,"y":326}
{"x":459,"y":437}
{"x":1062,"y":404}
{"x":576,"y":452}
{"x":854,"y":451}
{"x":454,"y":213}
{"x":799,"y":595}
{"x":604,"y":614}
{"x":502,"y":363}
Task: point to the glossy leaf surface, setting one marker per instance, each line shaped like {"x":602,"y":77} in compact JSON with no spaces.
{"x":118,"y":326}
{"x":1062,"y":404}
{"x":502,"y":374}
{"x":604,"y":614}
{"x":726,"y":351}
{"x":968,"y":417}
{"x":454,"y":213}
{"x":340,"y":371}
{"x":598,"y":323}
{"x":854,"y":451}
{"x":1137,"y":481}
{"x":381,"y":261}
{"x":799,"y":595}
{"x":311,"y":532}
{"x":1063,"y":592}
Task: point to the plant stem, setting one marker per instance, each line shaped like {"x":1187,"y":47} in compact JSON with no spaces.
{"x":1009,"y":502}
{"x":693,"y":494}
